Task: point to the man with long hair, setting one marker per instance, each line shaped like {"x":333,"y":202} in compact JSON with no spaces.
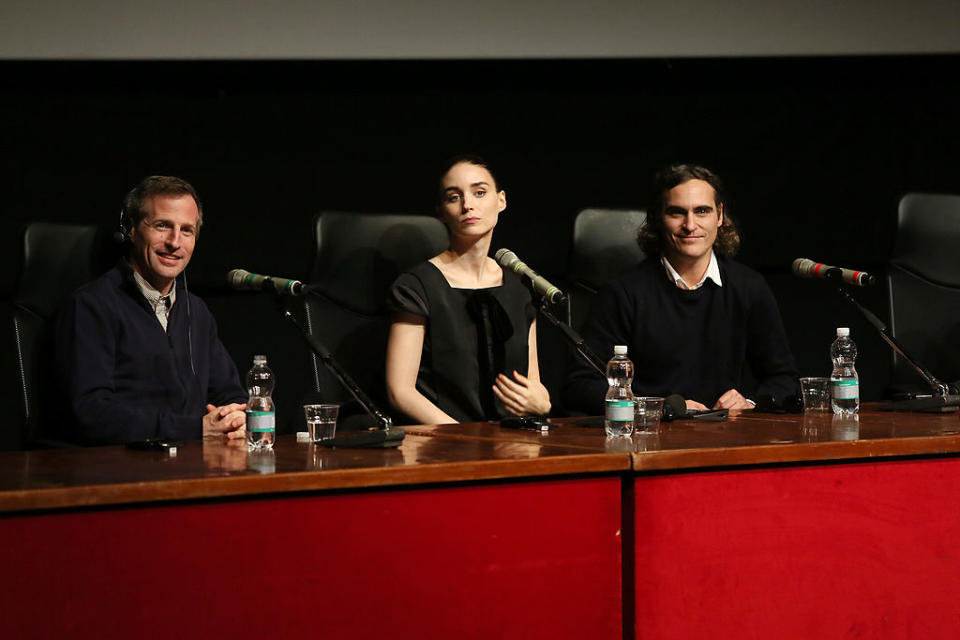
{"x":692,"y":317}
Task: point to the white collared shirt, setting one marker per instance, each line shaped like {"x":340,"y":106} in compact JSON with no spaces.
{"x":160,"y":303}
{"x":713,"y":273}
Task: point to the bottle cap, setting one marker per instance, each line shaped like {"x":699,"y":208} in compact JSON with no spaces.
{"x":259,"y":359}
{"x":843,"y":332}
{"x":620,"y":350}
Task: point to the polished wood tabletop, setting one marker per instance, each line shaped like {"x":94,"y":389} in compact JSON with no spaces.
{"x":216,"y":467}
{"x":746,"y":437}
{"x":456,"y":453}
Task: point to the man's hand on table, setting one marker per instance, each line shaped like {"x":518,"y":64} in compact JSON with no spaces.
{"x":229,"y":420}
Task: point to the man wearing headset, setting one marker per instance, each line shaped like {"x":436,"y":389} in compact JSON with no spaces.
{"x":139,"y":353}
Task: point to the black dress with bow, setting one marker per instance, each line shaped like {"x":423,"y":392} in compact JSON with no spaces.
{"x":471,"y":336}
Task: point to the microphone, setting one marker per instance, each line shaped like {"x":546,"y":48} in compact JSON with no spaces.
{"x":243,"y":280}
{"x":674,"y":407}
{"x":509,"y":260}
{"x":806,"y":268}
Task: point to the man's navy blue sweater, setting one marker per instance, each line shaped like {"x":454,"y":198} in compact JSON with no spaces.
{"x":125,"y":378}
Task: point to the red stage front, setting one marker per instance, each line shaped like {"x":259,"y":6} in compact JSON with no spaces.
{"x":870,"y":549}
{"x":523,"y":559}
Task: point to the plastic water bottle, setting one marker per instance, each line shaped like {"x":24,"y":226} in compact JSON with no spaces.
{"x":261,"y":416}
{"x":844,"y":382}
{"x":618,"y":415}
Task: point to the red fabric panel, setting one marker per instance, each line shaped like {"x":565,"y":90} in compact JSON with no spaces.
{"x":866,"y":550}
{"x":512,"y":560}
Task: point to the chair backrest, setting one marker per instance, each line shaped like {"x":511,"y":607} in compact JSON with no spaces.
{"x":358,"y":256}
{"x":604,"y":246}
{"x":57,"y":259}
{"x":924,"y":285}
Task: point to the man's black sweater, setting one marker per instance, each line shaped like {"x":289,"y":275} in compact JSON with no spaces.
{"x":695,"y":343}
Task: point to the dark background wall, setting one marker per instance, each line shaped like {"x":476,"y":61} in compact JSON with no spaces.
{"x":816,"y":152}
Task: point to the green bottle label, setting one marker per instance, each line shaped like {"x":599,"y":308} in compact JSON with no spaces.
{"x":845,"y":389}
{"x":619,"y":410}
{"x":260,"y":421}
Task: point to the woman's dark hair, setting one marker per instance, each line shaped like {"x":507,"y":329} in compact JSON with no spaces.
{"x":468,"y":158}
{"x":650,"y":234}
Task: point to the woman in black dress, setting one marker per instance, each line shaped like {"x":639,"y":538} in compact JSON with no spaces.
{"x":463,"y":340}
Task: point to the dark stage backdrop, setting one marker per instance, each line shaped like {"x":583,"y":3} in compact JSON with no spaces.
{"x":816,"y":153}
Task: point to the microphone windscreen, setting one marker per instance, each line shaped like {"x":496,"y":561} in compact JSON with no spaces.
{"x":804,"y":267}
{"x":505,"y":258}
{"x":237,"y":278}
{"x":674,"y":407}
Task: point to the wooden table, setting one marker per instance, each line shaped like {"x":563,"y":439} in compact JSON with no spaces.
{"x":761,"y":526}
{"x":437,"y":539}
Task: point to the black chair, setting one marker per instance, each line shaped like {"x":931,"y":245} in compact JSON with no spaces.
{"x":924,"y":286}
{"x":604,"y":246}
{"x":358,"y":256}
{"x":56,"y":260}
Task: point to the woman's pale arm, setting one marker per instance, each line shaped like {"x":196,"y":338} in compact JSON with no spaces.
{"x":525,"y":395}
{"x":404,"y":346}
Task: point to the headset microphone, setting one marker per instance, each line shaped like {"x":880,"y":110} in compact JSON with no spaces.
{"x":120,"y":236}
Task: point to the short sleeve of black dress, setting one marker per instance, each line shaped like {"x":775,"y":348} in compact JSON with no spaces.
{"x":471,"y":336}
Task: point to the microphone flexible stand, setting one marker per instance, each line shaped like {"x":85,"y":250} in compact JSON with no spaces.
{"x":386,"y":436}
{"x":574,"y":338}
{"x":941,"y":398}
